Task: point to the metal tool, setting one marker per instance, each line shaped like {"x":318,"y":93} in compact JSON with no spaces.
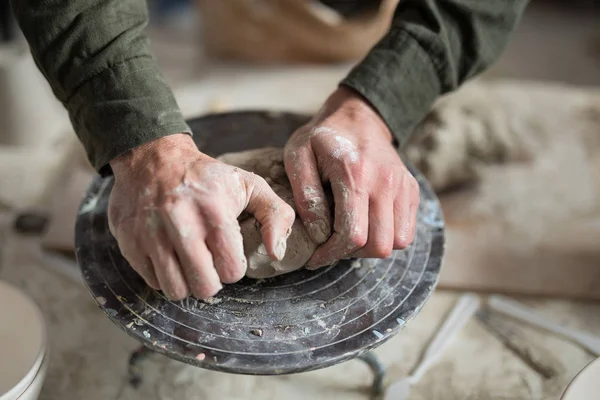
{"x":517,"y":310}
{"x":462,"y":312}
{"x":296,"y":322}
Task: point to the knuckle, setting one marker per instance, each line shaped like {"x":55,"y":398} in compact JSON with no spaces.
{"x":258,"y":181}
{"x":387,"y":182}
{"x":232,"y":275}
{"x":379,"y":250}
{"x":357,"y":239}
{"x":288,"y":213}
{"x":257,"y":184}
{"x":130,"y":249}
{"x":359,"y":170}
{"x":213,"y":215}
{"x":388,"y":178}
{"x":412,"y":183}
{"x":212,"y":209}
{"x":308,"y":201}
{"x":402,"y":242}
{"x":177,"y":292}
{"x":139,"y":266}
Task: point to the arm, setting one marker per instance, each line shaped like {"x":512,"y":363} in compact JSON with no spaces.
{"x":98,"y":63}
{"x":174,"y":222}
{"x":431,"y":49}
{"x":433,"y":46}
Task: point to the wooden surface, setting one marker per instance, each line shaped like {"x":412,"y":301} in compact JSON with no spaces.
{"x":288,"y":31}
{"x":533,"y":227}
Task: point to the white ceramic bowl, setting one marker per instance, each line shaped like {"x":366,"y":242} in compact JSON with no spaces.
{"x":23,"y":341}
{"x":586,"y":385}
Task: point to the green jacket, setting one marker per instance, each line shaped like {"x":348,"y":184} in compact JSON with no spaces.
{"x":98,"y":62}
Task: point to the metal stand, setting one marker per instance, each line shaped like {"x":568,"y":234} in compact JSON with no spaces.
{"x":377,"y":389}
{"x":134,"y":369}
{"x":136,"y":378}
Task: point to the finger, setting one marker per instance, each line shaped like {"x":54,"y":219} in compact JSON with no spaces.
{"x":350,"y":225}
{"x":145,"y":269}
{"x":380,"y":241}
{"x":405,"y":220}
{"x":187,"y":233}
{"x":274,"y":215}
{"x":227,"y":248}
{"x":151,"y":279}
{"x":311,"y":203}
{"x":137,"y":259}
{"x":143,"y":266}
{"x":166,"y":266}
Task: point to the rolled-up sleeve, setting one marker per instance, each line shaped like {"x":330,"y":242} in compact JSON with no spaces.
{"x":433,"y":46}
{"x":97,"y":60}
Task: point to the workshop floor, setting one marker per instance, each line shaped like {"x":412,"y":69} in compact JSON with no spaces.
{"x":89,"y":354}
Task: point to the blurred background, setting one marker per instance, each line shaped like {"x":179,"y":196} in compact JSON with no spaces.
{"x":557,"y":40}
{"x":525,"y":224}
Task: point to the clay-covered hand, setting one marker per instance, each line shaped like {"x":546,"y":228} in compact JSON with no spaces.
{"x":348,"y":146}
{"x":173,"y":211}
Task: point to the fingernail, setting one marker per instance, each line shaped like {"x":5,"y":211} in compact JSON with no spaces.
{"x":280,"y":247}
{"x":318,"y":231}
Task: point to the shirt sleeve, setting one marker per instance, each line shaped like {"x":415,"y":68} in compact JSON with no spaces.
{"x":97,"y":60}
{"x":433,"y":46}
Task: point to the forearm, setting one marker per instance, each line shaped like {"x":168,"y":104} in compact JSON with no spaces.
{"x":97,"y":60}
{"x":431,"y":49}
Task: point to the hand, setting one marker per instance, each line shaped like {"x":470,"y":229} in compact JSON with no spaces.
{"x":376,"y":198}
{"x":173,"y":211}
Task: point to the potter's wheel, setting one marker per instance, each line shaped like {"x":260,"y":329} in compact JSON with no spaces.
{"x":297,"y":322}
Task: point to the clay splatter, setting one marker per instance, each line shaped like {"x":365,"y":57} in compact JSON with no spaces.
{"x":257,"y":332}
{"x":89,"y":205}
{"x":213,"y":300}
{"x":345,"y":150}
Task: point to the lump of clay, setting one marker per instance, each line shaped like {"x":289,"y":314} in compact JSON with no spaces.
{"x":268,"y":163}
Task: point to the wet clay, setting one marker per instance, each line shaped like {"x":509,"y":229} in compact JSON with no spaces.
{"x":268,"y":163}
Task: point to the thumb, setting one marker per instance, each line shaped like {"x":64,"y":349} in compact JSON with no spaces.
{"x":274,"y":215}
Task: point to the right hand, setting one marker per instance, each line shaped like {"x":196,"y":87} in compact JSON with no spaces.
{"x":173,"y":211}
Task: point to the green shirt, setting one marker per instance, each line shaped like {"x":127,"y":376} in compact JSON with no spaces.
{"x":98,"y":62}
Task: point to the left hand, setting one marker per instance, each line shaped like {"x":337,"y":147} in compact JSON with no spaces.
{"x":349,"y":146}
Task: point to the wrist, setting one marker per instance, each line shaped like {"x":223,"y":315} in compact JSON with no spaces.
{"x":347,"y":104}
{"x":157,"y":152}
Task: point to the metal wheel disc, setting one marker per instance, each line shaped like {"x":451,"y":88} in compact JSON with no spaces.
{"x":296,"y":322}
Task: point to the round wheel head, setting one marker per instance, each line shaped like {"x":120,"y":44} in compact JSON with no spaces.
{"x":296,"y":322}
